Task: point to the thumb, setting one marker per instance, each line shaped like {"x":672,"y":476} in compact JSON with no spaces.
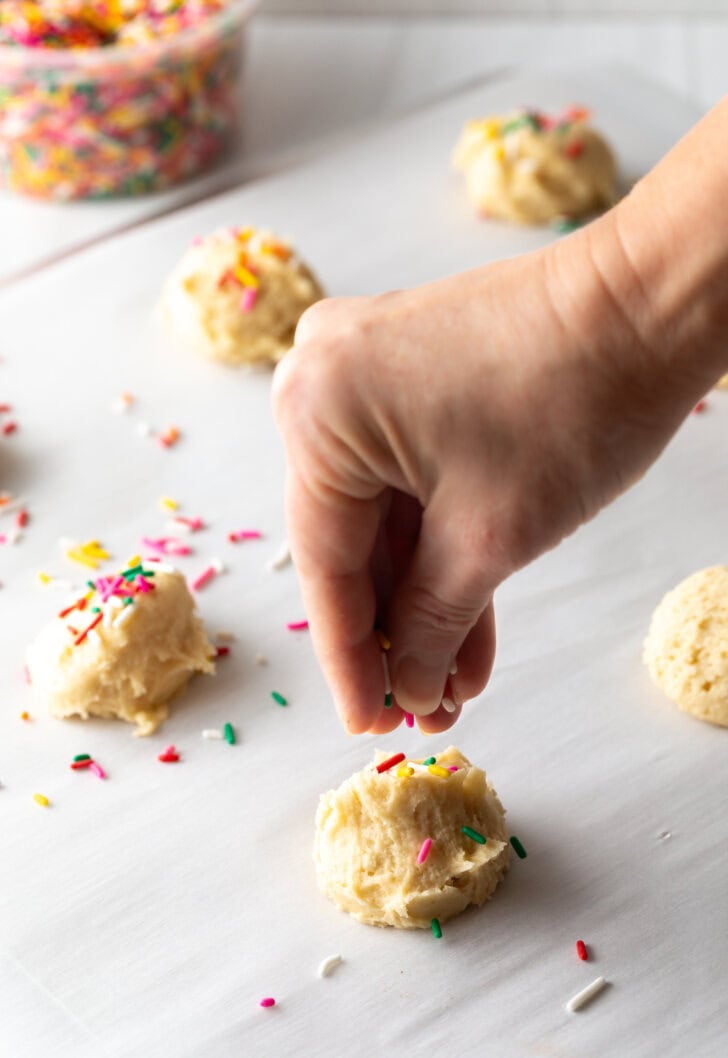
{"x":446,"y":589}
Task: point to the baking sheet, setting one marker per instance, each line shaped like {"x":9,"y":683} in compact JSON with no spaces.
{"x":149,"y":913}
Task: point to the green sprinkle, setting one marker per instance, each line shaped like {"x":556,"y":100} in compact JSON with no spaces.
{"x":82,"y":756}
{"x":133,"y":571}
{"x":278,"y":698}
{"x":95,"y":609}
{"x":90,"y":584}
{"x":564,"y":225}
{"x":229,"y":734}
{"x":436,"y":928}
{"x":470,"y":833}
{"x":387,"y":701}
{"x":128,"y":600}
{"x":518,"y":847}
{"x":430,"y":760}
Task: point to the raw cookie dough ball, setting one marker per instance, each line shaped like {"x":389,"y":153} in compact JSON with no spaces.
{"x":237,"y":296}
{"x":686,"y":650}
{"x":369,"y":833}
{"x":529,"y":168}
{"x":137,"y":656}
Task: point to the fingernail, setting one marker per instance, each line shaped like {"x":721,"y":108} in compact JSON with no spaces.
{"x":418,"y":682}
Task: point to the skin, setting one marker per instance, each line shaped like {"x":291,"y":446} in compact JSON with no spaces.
{"x":439,"y":439}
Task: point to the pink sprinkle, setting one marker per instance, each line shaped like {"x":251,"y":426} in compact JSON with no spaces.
{"x":201,"y":580}
{"x":452,"y":767}
{"x":97,"y":770}
{"x":297,"y":626}
{"x":143,"y":585}
{"x":424,"y":850}
{"x":244,"y":534}
{"x":26,"y":674}
{"x":409,"y":719}
{"x":269,"y":1001}
{"x":166,"y":545}
{"x":247,"y":301}
{"x":193,"y":524}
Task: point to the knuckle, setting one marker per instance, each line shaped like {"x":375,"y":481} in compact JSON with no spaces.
{"x":437,"y":614}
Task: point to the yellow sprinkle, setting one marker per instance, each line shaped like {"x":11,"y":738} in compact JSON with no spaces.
{"x":93,"y":549}
{"x":42,"y":577}
{"x":491,"y":128}
{"x":244,"y":234}
{"x":383,"y":641}
{"x":168,"y":504}
{"x":499,"y":152}
{"x":41,"y":799}
{"x":404,"y":771}
{"x":133,"y":561}
{"x":77,"y":554}
{"x":245,"y":276}
{"x":437,"y":769}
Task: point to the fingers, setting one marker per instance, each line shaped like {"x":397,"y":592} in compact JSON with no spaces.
{"x":447,"y":589}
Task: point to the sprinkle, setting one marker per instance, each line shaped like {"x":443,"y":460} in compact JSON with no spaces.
{"x":440,"y":772}
{"x":518,"y":847}
{"x":143,"y":429}
{"x":212,"y":732}
{"x":390,"y":762}
{"x":409,"y":719}
{"x":404,"y":771}
{"x":82,"y":756}
{"x":26,"y":675}
{"x":122,"y":404}
{"x":169,"y":756}
{"x":278,"y":698}
{"x":41,"y":799}
{"x":564,"y":225}
{"x":169,"y":437}
{"x":97,"y":770}
{"x":329,"y":965}
{"x":384,"y":643}
{"x":9,"y":427}
{"x":247,"y":301}
{"x":700,"y":407}
{"x":454,"y":668}
{"x":168,"y":504}
{"x":191,"y":524}
{"x":581,"y":950}
{"x":387,"y":680}
{"x":89,"y":554}
{"x":80,"y":638}
{"x":448,"y":705}
{"x":25,"y":715}
{"x":202,"y":578}
{"x":424,"y":850}
{"x":244,"y":534}
{"x":166,"y":545}
{"x":282,"y":557}
{"x":244,"y":276}
{"x":436,"y":928}
{"x":430,"y":760}
{"x":229,"y":734}
{"x":470,"y":833}
{"x":78,"y":764}
{"x":297,"y":626}
{"x":388,"y":701}
{"x":585,"y":995}
{"x":268,"y":1002}
{"x":574,"y":149}
{"x":42,"y":578}
{"x":21,"y":518}
{"x":452,"y":767}
{"x":222,"y":652}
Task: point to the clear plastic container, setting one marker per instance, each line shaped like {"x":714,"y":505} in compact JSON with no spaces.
{"x":121,"y":120}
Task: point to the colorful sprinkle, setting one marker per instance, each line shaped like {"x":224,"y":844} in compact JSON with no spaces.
{"x":424,"y":850}
{"x":581,"y":950}
{"x":518,"y":847}
{"x":78,"y":764}
{"x":700,"y":407}
{"x":448,"y":705}
{"x":585,"y":995}
{"x":404,"y":771}
{"x":390,"y":762}
{"x":278,"y":698}
{"x":222,"y":652}
{"x":409,"y":719}
{"x":436,"y":928}
{"x":203,"y":578}
{"x":229,"y":734}
{"x":384,"y":642}
{"x":388,"y":701}
{"x":97,"y":770}
{"x":244,"y":534}
{"x":212,"y":732}
{"x":25,"y":715}
{"x":430,"y":760}
{"x":470,"y":833}
{"x":80,"y":638}
{"x":168,"y":504}
{"x":247,"y":300}
{"x":329,"y":965}
{"x":82,"y":756}
{"x":440,"y":772}
{"x":269,"y":1001}
{"x":41,"y":799}
{"x":282,"y":557}
{"x":169,"y":436}
{"x":297,"y":626}
{"x":169,"y":756}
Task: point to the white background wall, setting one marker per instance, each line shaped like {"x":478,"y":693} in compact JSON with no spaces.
{"x":496,"y":7}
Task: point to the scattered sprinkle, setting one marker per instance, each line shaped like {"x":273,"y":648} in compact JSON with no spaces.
{"x":41,"y":799}
{"x":9,"y":427}
{"x":518,"y":847}
{"x":244,"y":534}
{"x":384,"y":642}
{"x":409,"y":719}
{"x":82,"y":756}
{"x":203,"y":578}
{"x":390,"y":762}
{"x":169,"y":436}
{"x":700,"y":407}
{"x":90,"y":554}
{"x":247,"y":300}
{"x":97,"y":770}
{"x":388,"y":700}
{"x":585,"y":995}
{"x":167,"y":503}
{"x":191,"y":525}
{"x":268,"y":1002}
{"x":122,"y":403}
{"x":77,"y":765}
{"x":212,"y":732}
{"x":278,"y":698}
{"x":328,"y":965}
{"x":25,"y":715}
{"x":452,"y":767}
{"x":297,"y":626}
{"x":169,"y":756}
{"x":564,"y":225}
{"x":436,"y":928}
{"x":229,"y":734}
{"x":222,"y":652}
{"x":282,"y":557}
{"x":470,"y":833}
{"x":424,"y":850}
{"x":387,"y":681}
{"x":581,"y":950}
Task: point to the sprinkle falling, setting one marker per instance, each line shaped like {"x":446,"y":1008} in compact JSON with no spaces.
{"x":409,"y":719}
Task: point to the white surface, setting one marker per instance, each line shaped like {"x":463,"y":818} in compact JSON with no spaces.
{"x":497,"y":7}
{"x":310,"y":78}
{"x":148,"y":914}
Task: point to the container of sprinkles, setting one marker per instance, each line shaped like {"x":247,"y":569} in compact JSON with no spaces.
{"x":101,"y":98}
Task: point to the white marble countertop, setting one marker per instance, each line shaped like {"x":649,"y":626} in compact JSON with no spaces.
{"x":311,"y":78}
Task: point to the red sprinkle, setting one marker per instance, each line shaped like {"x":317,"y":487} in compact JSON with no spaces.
{"x":21,"y":518}
{"x":390,"y":762}
{"x":222,"y":652}
{"x":574,"y":149}
{"x":80,"y":638}
{"x":169,"y":756}
{"x":10,"y":427}
{"x":581,"y":950}
{"x":78,"y":764}
{"x":700,"y":406}
{"x":5,"y":408}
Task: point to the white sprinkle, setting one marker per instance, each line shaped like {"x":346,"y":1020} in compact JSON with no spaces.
{"x":261,"y":659}
{"x":448,"y":705}
{"x":143,"y":429}
{"x":329,"y":965}
{"x":387,"y":681}
{"x":94,"y":638}
{"x":123,"y":616}
{"x":585,"y":995}
{"x":211,"y":732}
{"x":225,"y":636}
{"x":217,"y":565}
{"x":282,"y":557}
{"x":454,"y":668}
{"x":665,"y":835}
{"x":13,"y":535}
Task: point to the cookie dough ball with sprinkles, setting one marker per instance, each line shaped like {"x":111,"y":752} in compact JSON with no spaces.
{"x":685,"y":650}
{"x":531,"y":168}
{"x":405,"y":842}
{"x":122,"y":648}
{"x":237,"y":295}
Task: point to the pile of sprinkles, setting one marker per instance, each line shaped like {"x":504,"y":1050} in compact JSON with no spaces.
{"x":108,"y":598}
